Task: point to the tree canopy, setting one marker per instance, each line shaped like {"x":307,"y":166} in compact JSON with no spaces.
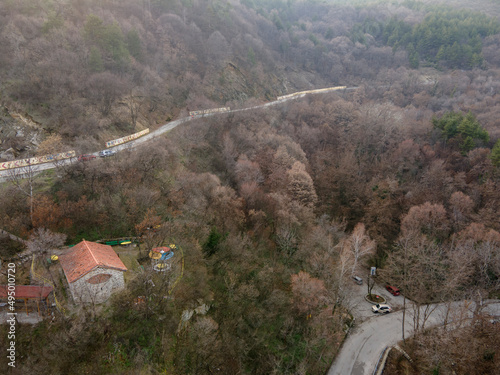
{"x":462,"y":129}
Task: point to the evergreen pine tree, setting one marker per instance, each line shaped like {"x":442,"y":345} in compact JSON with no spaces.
{"x":495,"y":154}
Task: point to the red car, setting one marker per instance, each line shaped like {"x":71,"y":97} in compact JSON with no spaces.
{"x":393,"y":290}
{"x":86,"y":157}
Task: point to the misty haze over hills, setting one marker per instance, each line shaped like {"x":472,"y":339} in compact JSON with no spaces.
{"x":274,"y":208}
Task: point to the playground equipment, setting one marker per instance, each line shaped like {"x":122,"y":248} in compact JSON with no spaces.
{"x":159,"y":255}
{"x":162,"y":267}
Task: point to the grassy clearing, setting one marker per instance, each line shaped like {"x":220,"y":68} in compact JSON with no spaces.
{"x":129,"y":258}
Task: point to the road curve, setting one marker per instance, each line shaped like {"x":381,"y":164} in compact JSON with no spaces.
{"x":364,"y":345}
{"x":4,"y":175}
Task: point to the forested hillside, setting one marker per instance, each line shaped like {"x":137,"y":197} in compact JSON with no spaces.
{"x":80,"y":68}
{"x":275,"y":208}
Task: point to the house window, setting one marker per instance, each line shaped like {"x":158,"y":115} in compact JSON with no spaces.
{"x":99,"y":279}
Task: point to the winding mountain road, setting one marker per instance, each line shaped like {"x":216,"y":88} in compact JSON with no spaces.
{"x":365,"y":344}
{"x":5,"y":175}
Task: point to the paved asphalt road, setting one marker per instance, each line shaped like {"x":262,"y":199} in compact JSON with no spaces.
{"x":4,"y":175}
{"x":365,"y":344}
{"x":362,"y":349}
{"x":372,"y":333}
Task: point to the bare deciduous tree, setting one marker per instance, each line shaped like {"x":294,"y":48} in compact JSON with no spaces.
{"x":309,"y":292}
{"x":103,"y":89}
{"x":429,"y":219}
{"x":476,"y":250}
{"x":300,"y":185}
{"x":359,"y":245}
{"x":286,"y":239}
{"x":151,"y":230}
{"x":417,"y":265}
{"x":462,"y":206}
{"x":24,"y":179}
{"x":41,"y":241}
{"x":133,"y":103}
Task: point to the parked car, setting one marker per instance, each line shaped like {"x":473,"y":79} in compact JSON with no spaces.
{"x":105,"y":153}
{"x":358,"y":280}
{"x":393,"y":290}
{"x":86,"y":157}
{"x":381,"y":308}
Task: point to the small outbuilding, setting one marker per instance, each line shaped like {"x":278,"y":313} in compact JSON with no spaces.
{"x":93,"y":271}
{"x":29,"y":295}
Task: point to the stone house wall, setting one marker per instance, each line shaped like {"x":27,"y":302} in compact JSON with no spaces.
{"x":97,"y":286}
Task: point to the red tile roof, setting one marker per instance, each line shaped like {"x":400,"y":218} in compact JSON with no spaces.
{"x":27,"y":291}
{"x":85,"y":256}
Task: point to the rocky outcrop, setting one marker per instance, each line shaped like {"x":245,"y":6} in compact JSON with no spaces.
{"x":19,"y":134}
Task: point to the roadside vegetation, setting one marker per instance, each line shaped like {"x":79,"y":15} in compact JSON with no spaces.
{"x":275,"y":208}
{"x":445,"y":352}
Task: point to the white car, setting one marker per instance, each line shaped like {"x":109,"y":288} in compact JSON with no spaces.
{"x":381,"y":308}
{"x":105,"y":153}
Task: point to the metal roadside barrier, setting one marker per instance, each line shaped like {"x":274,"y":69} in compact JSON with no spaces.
{"x":21,"y":163}
{"x":318,"y":91}
{"x":115,"y":142}
{"x":127,"y":138}
{"x":379,"y":368}
{"x":207,"y":111}
{"x":406,"y":355}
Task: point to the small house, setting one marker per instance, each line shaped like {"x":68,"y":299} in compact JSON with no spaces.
{"x":93,"y":271}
